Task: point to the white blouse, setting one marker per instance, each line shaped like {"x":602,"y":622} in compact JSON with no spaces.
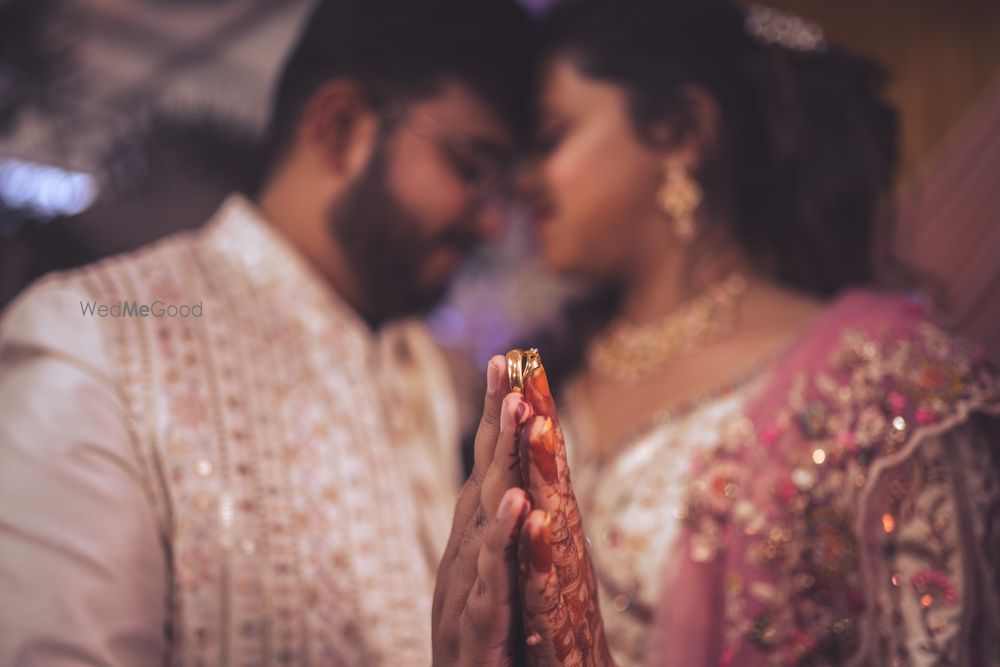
{"x":630,"y":504}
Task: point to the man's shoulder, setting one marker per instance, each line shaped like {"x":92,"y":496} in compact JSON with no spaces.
{"x":141,"y":268}
{"x":65,"y":307}
{"x":80,"y":278}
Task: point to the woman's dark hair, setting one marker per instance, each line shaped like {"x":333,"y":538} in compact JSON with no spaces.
{"x":807,"y":146}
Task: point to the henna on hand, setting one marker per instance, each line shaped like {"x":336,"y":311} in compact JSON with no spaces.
{"x":560,"y":613}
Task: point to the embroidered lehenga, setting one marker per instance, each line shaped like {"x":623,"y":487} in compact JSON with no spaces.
{"x":838,"y":505}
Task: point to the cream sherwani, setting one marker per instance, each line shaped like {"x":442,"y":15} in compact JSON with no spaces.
{"x":268,"y":483}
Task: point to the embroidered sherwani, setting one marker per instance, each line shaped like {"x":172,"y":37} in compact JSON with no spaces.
{"x":267,"y":483}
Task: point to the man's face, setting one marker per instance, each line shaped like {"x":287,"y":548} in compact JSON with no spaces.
{"x":418,"y":209}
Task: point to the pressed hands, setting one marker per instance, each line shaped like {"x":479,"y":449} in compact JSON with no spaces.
{"x":516,"y":585}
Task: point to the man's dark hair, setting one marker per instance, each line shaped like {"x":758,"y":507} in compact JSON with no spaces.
{"x":402,"y":50}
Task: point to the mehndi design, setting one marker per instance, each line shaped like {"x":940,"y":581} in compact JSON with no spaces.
{"x":562,"y":621}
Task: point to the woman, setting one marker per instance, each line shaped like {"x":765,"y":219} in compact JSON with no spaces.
{"x":774,"y":464}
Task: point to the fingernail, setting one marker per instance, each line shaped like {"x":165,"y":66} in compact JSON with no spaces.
{"x":492,"y":378}
{"x":542,"y":449}
{"x":521,"y":412}
{"x":541,"y":548}
{"x":540,"y":382}
{"x":547,"y":435}
{"x":506,"y":503}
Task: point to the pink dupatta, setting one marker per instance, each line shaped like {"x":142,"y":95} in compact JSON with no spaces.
{"x":799,"y":545}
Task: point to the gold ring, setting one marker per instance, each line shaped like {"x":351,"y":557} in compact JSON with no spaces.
{"x":520,"y":365}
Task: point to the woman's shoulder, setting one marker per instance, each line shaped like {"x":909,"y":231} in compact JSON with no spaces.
{"x":875,"y":349}
{"x":886,"y":317}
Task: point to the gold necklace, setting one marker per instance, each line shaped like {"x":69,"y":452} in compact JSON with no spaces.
{"x":631,"y":352}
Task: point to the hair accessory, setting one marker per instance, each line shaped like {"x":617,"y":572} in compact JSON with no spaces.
{"x":770,"y":26}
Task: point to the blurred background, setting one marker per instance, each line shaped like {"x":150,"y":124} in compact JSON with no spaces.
{"x":124,"y":120}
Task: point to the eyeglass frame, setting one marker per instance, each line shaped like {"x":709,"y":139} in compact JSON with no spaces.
{"x":482,"y":189}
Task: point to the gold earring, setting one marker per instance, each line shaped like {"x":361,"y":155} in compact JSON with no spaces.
{"x":679,"y":197}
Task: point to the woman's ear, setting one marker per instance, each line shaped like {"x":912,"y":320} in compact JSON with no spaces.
{"x":341,"y":124}
{"x":693,"y":133}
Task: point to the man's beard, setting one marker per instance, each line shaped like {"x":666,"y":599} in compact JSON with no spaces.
{"x":384,"y":247}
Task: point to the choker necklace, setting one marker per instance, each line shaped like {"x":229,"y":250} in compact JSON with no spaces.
{"x":632,"y":352}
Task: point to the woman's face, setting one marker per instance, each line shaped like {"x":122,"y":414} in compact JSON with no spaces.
{"x":594,"y":182}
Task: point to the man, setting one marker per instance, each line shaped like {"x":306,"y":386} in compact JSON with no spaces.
{"x":231,"y":447}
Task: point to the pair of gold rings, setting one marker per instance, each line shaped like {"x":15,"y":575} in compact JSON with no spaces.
{"x":520,"y":365}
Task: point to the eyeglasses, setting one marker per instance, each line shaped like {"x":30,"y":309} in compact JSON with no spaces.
{"x":483,"y":168}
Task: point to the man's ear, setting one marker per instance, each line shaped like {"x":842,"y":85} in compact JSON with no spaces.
{"x":341,"y":124}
